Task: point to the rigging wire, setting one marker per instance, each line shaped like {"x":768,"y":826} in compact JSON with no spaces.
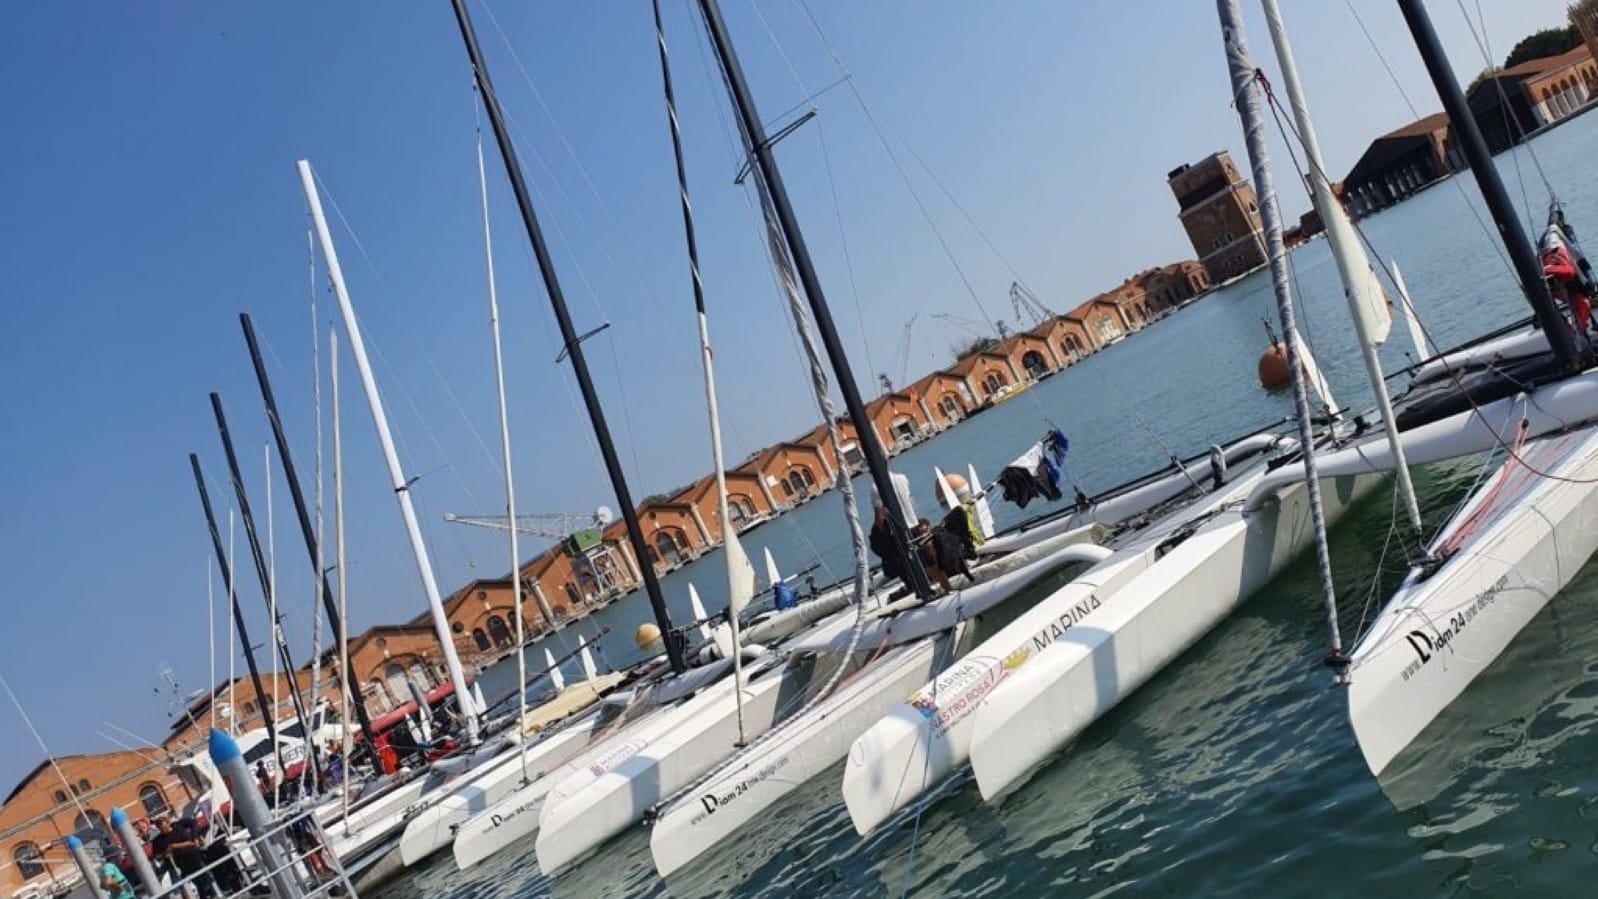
{"x":904,"y":176}
{"x":1465,"y":195}
{"x":1454,"y":374}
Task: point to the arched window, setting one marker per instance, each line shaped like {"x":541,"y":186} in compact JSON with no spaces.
{"x":993,"y":382}
{"x":572,"y":594}
{"x":498,"y":632}
{"x":153,"y":800}
{"x":84,"y":786}
{"x":796,"y":485}
{"x":736,"y":512}
{"x":29,"y":863}
{"x":951,"y":407}
{"x":666,"y":549}
{"x":682,"y":540}
{"x":60,"y":797}
{"x":394,"y":673}
{"x":90,"y":825}
{"x":810,"y":479}
{"x":1034,"y":364}
{"x":481,"y":639}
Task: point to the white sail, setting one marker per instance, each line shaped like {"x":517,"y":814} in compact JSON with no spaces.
{"x":984,"y":511}
{"x":697,"y":605}
{"x":1417,"y":334}
{"x":556,"y":678}
{"x":590,"y":670}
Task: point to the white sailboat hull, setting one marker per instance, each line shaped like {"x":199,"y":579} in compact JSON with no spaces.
{"x":591,"y":805}
{"x":1439,"y":633}
{"x":1141,"y":629}
{"x":434,"y":827}
{"x":803,"y":749}
{"x":923,"y":740}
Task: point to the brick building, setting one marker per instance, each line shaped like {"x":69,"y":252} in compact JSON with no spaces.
{"x":899,"y":420}
{"x":74,"y":795}
{"x":1170,"y":286}
{"x":747,"y":504}
{"x":1069,"y":336}
{"x":1031,"y":354}
{"x":795,"y":472}
{"x":984,"y":374}
{"x":1102,"y":321}
{"x":1220,"y":214}
{"x":947,"y":397}
{"x":1399,"y":163}
{"x":819,"y":438}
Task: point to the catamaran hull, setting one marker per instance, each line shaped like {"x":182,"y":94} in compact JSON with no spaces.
{"x":922,"y":741}
{"x":435,"y":827}
{"x":590,"y":806}
{"x":803,"y":749}
{"x":1438,"y":634}
{"x":1143,"y":628}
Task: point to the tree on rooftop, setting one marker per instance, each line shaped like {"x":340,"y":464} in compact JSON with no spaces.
{"x":1548,"y":42}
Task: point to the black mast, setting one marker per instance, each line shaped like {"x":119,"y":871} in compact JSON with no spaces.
{"x":261,"y":570}
{"x":238,"y":614}
{"x":309,"y":532}
{"x":760,"y":147}
{"x":1521,"y":253}
{"x":569,"y":337}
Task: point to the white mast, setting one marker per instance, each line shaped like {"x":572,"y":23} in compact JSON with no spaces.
{"x":413,"y":529}
{"x":510,"y":483}
{"x":343,"y":580}
{"x":232,"y":634}
{"x":210,"y":624}
{"x":1367,"y":305}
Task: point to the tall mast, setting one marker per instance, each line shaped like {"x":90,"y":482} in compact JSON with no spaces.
{"x":1246,"y":99}
{"x":402,"y":490}
{"x":571,"y":342}
{"x":510,"y":479}
{"x":312,"y":544}
{"x":765,"y":160}
{"x":1366,"y":304}
{"x":259,"y":556}
{"x":1510,"y":231}
{"x":740,"y":573}
{"x":352,"y":688}
{"x":238,"y":616}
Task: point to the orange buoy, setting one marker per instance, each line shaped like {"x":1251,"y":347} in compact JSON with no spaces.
{"x":1273,"y":368}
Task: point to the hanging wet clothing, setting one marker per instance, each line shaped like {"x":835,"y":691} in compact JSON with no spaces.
{"x":1033,"y":474}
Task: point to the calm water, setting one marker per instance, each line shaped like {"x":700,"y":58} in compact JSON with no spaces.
{"x":1233,"y":772}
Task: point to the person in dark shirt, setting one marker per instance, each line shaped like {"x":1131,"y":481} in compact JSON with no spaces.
{"x":161,"y":850}
{"x":188,"y":853}
{"x":882,"y":543}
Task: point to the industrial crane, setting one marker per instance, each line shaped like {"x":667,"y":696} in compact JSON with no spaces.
{"x":558,"y":525}
{"x":578,"y":533}
{"x":1026,"y":304}
{"x":900,"y":360}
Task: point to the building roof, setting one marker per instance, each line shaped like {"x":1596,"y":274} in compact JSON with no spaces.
{"x":1384,"y":150}
{"x":967,"y":363}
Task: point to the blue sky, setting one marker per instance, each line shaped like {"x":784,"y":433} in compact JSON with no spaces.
{"x":150,"y":196}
